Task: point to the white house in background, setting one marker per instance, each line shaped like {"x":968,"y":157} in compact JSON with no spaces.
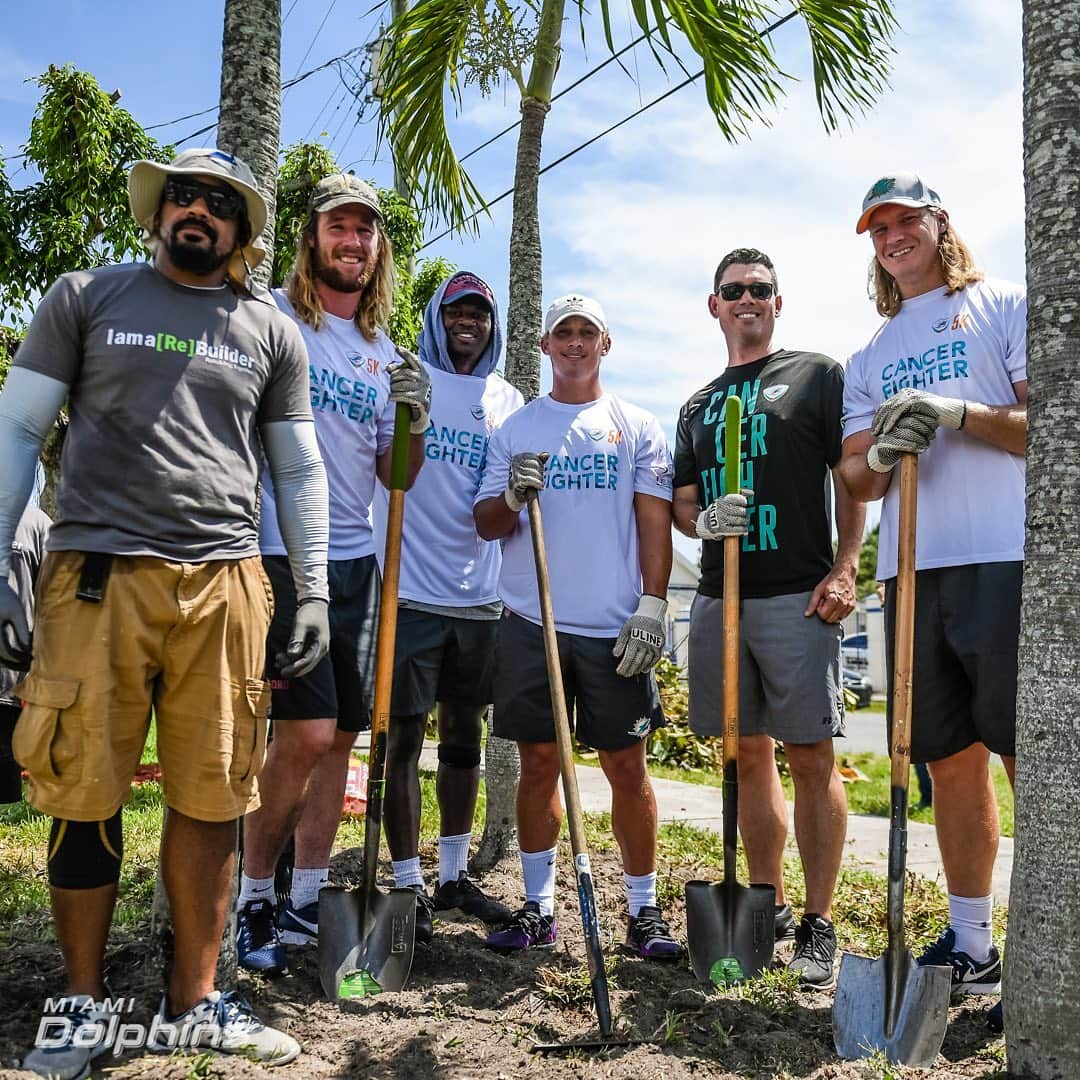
{"x":681,"y":589}
{"x":869,"y":618}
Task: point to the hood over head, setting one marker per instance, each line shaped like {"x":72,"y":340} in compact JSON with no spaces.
{"x":432,"y":345}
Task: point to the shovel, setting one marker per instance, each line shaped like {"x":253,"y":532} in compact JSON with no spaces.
{"x":891,"y":1004}
{"x":366,"y":937}
{"x":582,"y":869}
{"x":730,"y":929}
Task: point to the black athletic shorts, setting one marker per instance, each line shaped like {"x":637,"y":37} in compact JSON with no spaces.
{"x":10,"y":770}
{"x":442,"y":658}
{"x":967,"y":629}
{"x":343,"y":683}
{"x":609,"y":711}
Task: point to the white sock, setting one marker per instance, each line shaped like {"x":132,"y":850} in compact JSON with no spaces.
{"x":453,"y":856}
{"x":255,"y":888}
{"x":306,"y":884}
{"x":407,"y":872}
{"x":970,"y":918}
{"x":538,"y":869}
{"x":640,"y":891}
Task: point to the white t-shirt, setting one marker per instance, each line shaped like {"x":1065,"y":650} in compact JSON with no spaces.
{"x":602,"y":454}
{"x":354,"y":422}
{"x":969,"y":345}
{"x":443,"y":560}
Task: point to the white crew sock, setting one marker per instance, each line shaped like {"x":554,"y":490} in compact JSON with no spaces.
{"x":640,"y":891}
{"x":453,"y":856}
{"x":255,"y":888}
{"x":538,"y":869}
{"x":971,"y":920}
{"x":306,"y":884}
{"x":407,"y":872}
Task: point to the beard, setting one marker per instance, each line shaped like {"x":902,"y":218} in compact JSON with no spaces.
{"x":338,"y":281}
{"x":194,"y":258}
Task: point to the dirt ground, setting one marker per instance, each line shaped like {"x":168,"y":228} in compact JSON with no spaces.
{"x":468,"y":1012}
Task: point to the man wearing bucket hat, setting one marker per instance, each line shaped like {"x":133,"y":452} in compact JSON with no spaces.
{"x":152,"y":595}
{"x":945,"y":377}
{"x":604,"y":471}
{"x":339,"y":295}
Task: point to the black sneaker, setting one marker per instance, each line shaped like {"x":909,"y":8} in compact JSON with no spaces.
{"x":649,"y":936}
{"x":462,"y":895}
{"x":815,"y":953}
{"x":526,"y":929}
{"x":785,"y":922}
{"x":968,"y":976}
{"x":424,"y":928}
{"x":995,"y":1021}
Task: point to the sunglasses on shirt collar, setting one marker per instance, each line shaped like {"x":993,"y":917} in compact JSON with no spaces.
{"x":759,"y":290}
{"x":225,"y":203}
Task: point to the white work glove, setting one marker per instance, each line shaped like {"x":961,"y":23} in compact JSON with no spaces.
{"x":726,"y":516}
{"x":14,"y":633}
{"x":309,"y":640}
{"x":641,"y":640}
{"x":410,"y":385}
{"x":526,"y":474}
{"x":907,"y":422}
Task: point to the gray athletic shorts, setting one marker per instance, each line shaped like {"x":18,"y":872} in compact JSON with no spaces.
{"x":967,"y":631}
{"x":789,"y":670}
{"x":441,"y":658}
{"x":608,"y":711}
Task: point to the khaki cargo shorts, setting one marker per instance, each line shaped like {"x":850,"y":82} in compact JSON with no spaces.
{"x":187,"y":640}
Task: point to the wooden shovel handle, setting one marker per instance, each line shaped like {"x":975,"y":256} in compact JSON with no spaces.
{"x":904,"y":646}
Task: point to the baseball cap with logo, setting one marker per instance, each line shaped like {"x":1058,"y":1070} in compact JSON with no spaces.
{"x":566,"y":306}
{"x":343,"y":189}
{"x":903,"y":188}
{"x":466,"y":284}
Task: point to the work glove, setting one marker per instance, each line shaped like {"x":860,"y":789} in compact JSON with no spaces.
{"x":726,"y":516}
{"x":410,"y":385}
{"x":14,"y":633}
{"x":309,"y":641}
{"x":641,"y":640}
{"x":907,"y":422}
{"x":526,"y":474}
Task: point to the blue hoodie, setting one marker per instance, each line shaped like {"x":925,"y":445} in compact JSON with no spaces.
{"x":432,"y":346}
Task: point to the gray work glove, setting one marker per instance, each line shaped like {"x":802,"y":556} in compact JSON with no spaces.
{"x":907,"y":422}
{"x":410,"y":385}
{"x":726,"y":516}
{"x":309,"y":641}
{"x":14,"y":633}
{"x":641,"y":640}
{"x":526,"y":474}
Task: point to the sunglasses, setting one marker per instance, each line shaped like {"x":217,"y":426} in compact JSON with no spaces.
{"x":759,"y":290}
{"x":225,"y":203}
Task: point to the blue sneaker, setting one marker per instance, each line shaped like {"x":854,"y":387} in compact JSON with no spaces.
{"x":258,"y":946}
{"x":968,"y":976}
{"x":299,"y":926}
{"x":68,"y":1039}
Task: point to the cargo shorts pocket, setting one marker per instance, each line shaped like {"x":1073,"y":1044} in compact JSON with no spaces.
{"x":249,"y":730}
{"x":48,"y":741}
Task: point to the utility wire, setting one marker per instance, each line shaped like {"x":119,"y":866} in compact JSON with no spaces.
{"x":333,"y":4}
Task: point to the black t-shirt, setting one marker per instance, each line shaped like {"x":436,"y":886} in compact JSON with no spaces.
{"x":792,"y":402}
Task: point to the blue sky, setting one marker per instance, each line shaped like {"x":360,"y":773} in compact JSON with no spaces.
{"x":640,"y":219}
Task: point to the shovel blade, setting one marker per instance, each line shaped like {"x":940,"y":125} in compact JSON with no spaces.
{"x":356,"y":961}
{"x":730,"y":930}
{"x":906,"y":1022}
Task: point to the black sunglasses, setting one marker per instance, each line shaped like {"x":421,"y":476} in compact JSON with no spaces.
{"x":759,"y":290}
{"x":225,"y":203}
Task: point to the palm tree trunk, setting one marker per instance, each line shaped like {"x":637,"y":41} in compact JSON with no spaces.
{"x":249,"y":123}
{"x":1042,"y":967}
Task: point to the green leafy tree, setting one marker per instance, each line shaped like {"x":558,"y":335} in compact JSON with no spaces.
{"x":866,"y":576}
{"x":74,"y":215}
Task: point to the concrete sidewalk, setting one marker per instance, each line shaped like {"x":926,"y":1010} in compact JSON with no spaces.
{"x":702,"y":806}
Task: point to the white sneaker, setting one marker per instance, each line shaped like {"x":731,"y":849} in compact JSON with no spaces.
{"x":69,"y":1037}
{"x":222,"y":1022}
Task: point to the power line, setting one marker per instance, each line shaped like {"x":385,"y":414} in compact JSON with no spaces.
{"x":333,"y":4}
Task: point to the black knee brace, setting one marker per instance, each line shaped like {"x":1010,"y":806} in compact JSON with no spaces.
{"x":461,"y":757}
{"x":85,"y":854}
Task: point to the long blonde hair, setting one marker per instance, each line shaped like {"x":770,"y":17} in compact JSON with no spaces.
{"x":376,"y":299}
{"x":957,"y":267}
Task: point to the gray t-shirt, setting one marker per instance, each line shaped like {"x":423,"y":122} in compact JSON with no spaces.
{"x":27,"y":551}
{"x":169,"y":386}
